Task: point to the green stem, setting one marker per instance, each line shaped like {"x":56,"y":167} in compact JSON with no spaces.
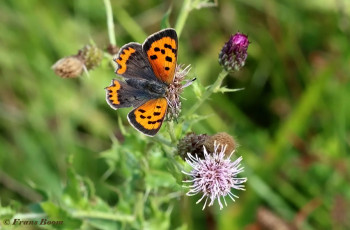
{"x":212,"y":89}
{"x":170,"y":126}
{"x":163,"y":141}
{"x":181,"y":19}
{"x":110,"y":23}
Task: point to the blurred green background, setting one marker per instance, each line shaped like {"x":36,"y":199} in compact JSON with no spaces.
{"x":291,"y":120}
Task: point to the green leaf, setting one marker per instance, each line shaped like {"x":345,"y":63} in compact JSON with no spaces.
{"x":6,"y":212}
{"x":197,"y":89}
{"x":156,"y":179}
{"x":160,"y":221}
{"x":199,"y":4}
{"x":56,"y":213}
{"x":104,"y":224}
{"x":225,"y":90}
{"x":75,"y":192}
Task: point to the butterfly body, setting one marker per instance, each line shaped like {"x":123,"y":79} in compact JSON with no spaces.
{"x":154,"y":88}
{"x":148,"y":70}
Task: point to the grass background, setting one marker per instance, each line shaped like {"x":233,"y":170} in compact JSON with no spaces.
{"x":291,"y":120}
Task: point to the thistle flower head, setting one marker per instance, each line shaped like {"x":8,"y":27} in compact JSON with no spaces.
{"x":214,"y":176}
{"x":175,"y":89}
{"x":234,"y":53}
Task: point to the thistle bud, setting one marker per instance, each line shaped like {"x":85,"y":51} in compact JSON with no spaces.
{"x":69,"y":67}
{"x":192,"y":143}
{"x":92,"y":56}
{"x":234,"y":53}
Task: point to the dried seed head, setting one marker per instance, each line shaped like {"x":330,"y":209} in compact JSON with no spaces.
{"x":222,"y":138}
{"x":69,"y":67}
{"x":191,"y":143}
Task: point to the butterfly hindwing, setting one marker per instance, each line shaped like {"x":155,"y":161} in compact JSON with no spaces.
{"x":161,"y":51}
{"x":121,"y":95}
{"x":148,"y":117}
{"x":133,"y":63}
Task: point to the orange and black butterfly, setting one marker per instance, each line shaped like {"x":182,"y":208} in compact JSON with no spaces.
{"x":148,"y":69}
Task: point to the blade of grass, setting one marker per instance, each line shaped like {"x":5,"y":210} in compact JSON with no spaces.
{"x":181,"y":19}
{"x":129,"y":24}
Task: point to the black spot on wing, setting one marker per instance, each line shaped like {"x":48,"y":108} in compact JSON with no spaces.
{"x":141,"y":111}
{"x":169,"y":59}
{"x":153,"y":57}
{"x":168,"y":46}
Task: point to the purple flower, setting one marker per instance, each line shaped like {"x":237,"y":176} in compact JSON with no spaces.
{"x":234,"y":52}
{"x":214,"y":176}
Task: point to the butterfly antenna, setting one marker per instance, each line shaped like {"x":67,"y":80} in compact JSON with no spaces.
{"x":188,"y":83}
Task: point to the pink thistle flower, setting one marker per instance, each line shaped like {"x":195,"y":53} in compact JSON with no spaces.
{"x":175,"y":89}
{"x":214,"y":176}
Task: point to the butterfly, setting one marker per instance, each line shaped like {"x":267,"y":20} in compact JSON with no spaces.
{"x":147,"y":69}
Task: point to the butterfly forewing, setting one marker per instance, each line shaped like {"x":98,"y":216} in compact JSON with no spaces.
{"x":161,"y":50}
{"x":133,"y":63}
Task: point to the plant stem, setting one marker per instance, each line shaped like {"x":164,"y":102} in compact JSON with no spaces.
{"x":181,"y":19}
{"x":110,"y":23}
{"x":163,"y":141}
{"x":170,"y":126}
{"x":212,"y":89}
